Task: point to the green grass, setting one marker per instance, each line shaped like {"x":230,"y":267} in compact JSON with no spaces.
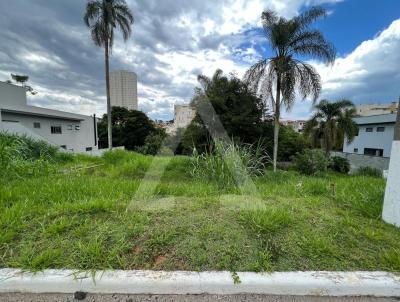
{"x":93,"y":219}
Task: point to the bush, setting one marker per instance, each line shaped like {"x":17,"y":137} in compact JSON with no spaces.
{"x":152,"y":144}
{"x":339,"y":164}
{"x":368,"y":171}
{"x":229,"y":164}
{"x":311,"y":162}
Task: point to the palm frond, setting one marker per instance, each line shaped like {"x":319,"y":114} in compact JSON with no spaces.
{"x":310,"y":16}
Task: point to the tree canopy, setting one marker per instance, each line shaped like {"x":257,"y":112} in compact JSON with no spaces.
{"x":331,"y":123}
{"x":130,"y":128}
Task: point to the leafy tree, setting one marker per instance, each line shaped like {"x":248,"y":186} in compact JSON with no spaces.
{"x":130,"y":128}
{"x":283,"y":73}
{"x":237,"y":107}
{"x":331,"y":122}
{"x":290,"y":141}
{"x":153,"y":142}
{"x":103,"y":17}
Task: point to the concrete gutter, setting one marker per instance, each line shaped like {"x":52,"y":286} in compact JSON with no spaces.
{"x":378,"y":284}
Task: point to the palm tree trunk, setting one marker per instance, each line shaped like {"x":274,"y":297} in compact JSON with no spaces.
{"x":276,"y":122}
{"x":109,"y":126}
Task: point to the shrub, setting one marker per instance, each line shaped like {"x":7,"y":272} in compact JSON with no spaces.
{"x":368,"y":171}
{"x":339,"y":164}
{"x":230,"y":164}
{"x":152,"y":144}
{"x":311,"y":162}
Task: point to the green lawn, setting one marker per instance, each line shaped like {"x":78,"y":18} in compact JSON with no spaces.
{"x":94,"y":219}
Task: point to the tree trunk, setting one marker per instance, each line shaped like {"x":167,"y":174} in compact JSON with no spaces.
{"x":109,"y":125}
{"x":276,"y":121}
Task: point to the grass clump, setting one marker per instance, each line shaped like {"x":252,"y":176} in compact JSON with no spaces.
{"x":229,"y":164}
{"x":21,"y":156}
{"x":368,"y":171}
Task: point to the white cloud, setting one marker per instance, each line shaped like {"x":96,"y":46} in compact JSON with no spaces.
{"x":369,"y":74}
{"x":172,"y":42}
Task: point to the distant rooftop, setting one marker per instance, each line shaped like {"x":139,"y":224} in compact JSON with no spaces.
{"x":376,"y":119}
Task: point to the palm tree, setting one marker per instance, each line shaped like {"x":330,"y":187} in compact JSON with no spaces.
{"x":331,"y":122}
{"x":102,"y":17}
{"x":283,"y":73}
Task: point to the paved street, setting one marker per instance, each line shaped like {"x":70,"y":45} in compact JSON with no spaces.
{"x":180,"y":298}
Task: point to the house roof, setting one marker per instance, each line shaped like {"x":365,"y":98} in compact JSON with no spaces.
{"x":376,"y":119}
{"x":20,"y":106}
{"x":43,"y":112}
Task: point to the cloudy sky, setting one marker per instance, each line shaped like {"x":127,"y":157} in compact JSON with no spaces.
{"x":175,"y":40}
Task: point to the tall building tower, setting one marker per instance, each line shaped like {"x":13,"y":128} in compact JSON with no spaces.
{"x":123,"y":89}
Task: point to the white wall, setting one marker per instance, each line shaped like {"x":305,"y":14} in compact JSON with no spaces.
{"x":75,"y":140}
{"x":12,"y":96}
{"x":391,"y":205}
{"x":375,"y":140}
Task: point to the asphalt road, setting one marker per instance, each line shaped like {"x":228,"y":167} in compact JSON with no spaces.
{"x":17,"y":297}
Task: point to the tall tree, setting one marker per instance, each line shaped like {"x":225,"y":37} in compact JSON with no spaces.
{"x":331,"y":122}
{"x":103,"y":17}
{"x":237,"y":107}
{"x":283,"y":74}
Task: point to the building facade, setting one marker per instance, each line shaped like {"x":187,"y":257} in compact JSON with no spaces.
{"x":183,"y":116}
{"x":297,"y":125}
{"x":123,"y":89}
{"x":376,"y":109}
{"x":375,"y":136}
{"x":69,"y":131}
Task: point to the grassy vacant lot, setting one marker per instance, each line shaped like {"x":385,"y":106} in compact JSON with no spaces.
{"x":93,"y":219}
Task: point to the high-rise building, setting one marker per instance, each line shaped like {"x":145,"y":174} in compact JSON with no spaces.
{"x":183,"y":116}
{"x":123,"y":89}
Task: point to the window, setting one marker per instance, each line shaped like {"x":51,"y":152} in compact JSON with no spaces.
{"x":88,"y":148}
{"x":369,"y":129}
{"x":56,"y":129}
{"x":373,"y":152}
{"x":380,"y":129}
{"x":69,"y":127}
{"x":36,"y":125}
{"x":355,"y":150}
{"x":77,"y":127}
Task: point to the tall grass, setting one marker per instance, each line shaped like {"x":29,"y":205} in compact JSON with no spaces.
{"x":229,"y":164}
{"x":21,"y":156}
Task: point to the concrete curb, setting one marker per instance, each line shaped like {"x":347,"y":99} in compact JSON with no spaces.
{"x":379,"y":284}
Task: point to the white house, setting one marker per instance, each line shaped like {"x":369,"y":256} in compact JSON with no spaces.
{"x":297,"y":125}
{"x":375,"y":136}
{"x":73,"y":132}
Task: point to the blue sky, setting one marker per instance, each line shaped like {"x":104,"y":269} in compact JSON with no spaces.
{"x":175,"y":40}
{"x":354,"y":21}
